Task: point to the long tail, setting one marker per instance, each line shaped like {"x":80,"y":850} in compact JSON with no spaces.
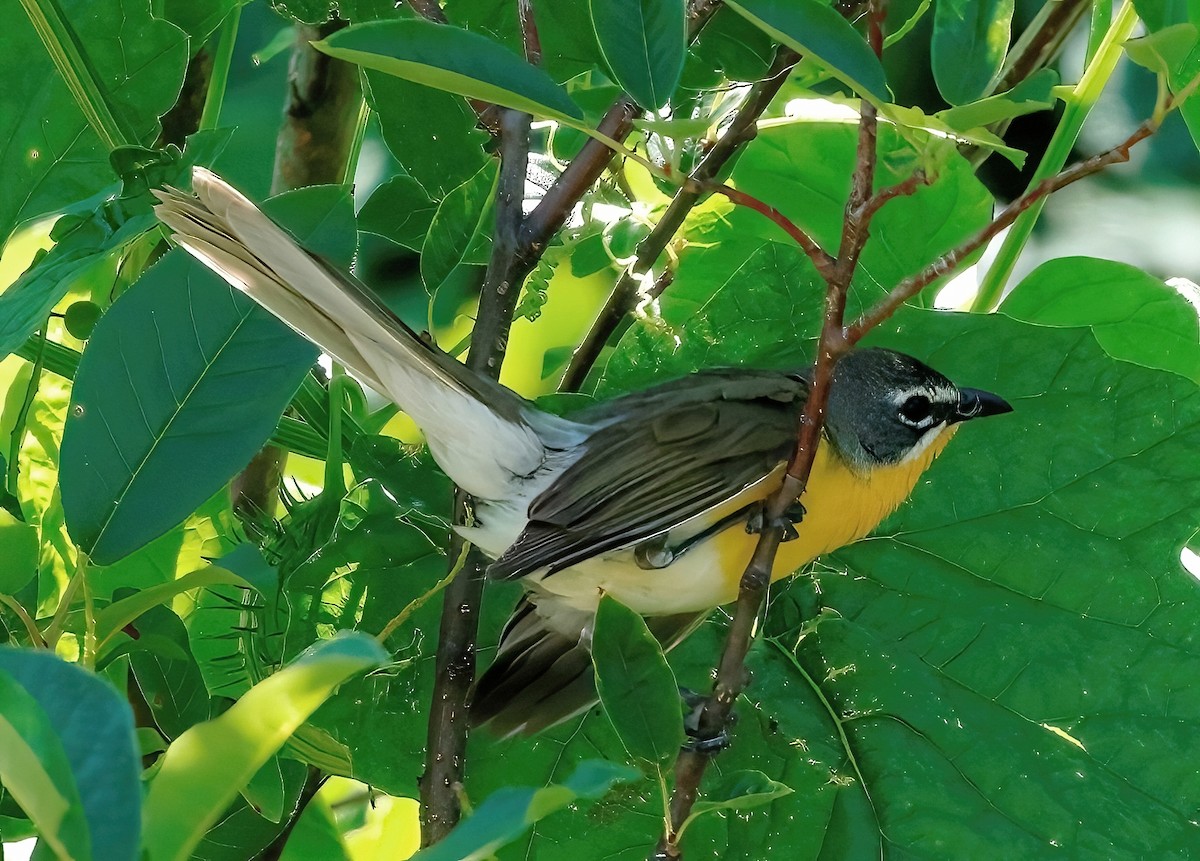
{"x":479,"y":431}
{"x":542,"y":674}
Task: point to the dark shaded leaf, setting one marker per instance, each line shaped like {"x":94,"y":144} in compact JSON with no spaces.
{"x":643,"y":43}
{"x":636,"y":686}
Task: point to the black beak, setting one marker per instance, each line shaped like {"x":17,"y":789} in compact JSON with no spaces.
{"x":976,"y":403}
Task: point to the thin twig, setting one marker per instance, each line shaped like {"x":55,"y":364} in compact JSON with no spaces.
{"x":741,"y":130}
{"x":952,"y":259}
{"x":455,"y":661}
{"x":530,"y":40}
{"x":820,"y":258}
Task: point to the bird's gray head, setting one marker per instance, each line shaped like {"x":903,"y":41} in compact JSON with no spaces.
{"x":885,"y":407}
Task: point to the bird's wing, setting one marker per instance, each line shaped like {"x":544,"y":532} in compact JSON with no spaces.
{"x":481,"y":433}
{"x":659,"y":458}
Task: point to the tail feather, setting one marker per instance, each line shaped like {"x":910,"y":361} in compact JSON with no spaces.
{"x":542,"y":674}
{"x":480,"y":432}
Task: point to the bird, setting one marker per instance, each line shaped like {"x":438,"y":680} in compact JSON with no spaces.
{"x":651,"y":497}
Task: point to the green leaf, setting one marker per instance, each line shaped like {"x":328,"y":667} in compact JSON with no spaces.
{"x":398,"y":210}
{"x":508,"y":813}
{"x":636,"y":686}
{"x":182,"y":382}
{"x":35,"y":770}
{"x":1166,"y":51}
{"x":18,"y":553}
{"x":94,"y":726}
{"x":167,"y":674}
{"x":205,"y":767}
{"x":1134,"y":316}
{"x":914,"y":118}
{"x":121,"y":613}
{"x":643,"y":43}
{"x":83,"y":247}
{"x":198,"y":18}
{"x":970,"y":39}
{"x":460,"y":221}
{"x":1035,"y":93}
{"x":819,"y":32}
{"x":441,"y":151}
{"x":741,"y":790}
{"x":52,"y":158}
{"x":454,"y":60}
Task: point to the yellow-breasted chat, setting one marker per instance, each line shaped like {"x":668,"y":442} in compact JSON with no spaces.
{"x":645,"y":497}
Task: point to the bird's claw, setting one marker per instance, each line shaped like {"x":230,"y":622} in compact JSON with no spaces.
{"x":695,"y":703}
{"x":757,"y":520}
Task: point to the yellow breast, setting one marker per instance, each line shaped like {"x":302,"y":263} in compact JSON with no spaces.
{"x":843,"y":506}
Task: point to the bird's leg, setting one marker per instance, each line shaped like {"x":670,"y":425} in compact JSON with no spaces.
{"x":757,"y":520}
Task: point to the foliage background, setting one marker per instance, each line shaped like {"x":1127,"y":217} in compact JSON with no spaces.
{"x":1005,"y":669}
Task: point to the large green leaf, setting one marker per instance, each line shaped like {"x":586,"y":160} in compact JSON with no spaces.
{"x":93,"y":727}
{"x":454,"y":60}
{"x":205,"y":767}
{"x":182,"y":382}
{"x":970,"y":39}
{"x":52,"y":158}
{"x":818,"y":31}
{"x":434,"y":135}
{"x":643,"y":43}
{"x":1135,"y":316}
{"x":636,"y":687}
{"x":508,"y":812}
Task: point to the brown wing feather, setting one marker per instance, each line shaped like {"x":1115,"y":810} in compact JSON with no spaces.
{"x":659,"y":458}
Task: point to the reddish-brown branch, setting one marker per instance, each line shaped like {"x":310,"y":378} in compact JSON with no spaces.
{"x":824,"y":263}
{"x":530,"y":39}
{"x":952,"y":259}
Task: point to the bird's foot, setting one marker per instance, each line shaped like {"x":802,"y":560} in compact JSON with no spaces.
{"x":757,"y":520}
{"x":697,"y":743}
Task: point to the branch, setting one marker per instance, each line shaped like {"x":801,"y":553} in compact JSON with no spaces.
{"x":455,"y":662}
{"x":590,"y":163}
{"x":741,"y":130}
{"x":952,"y":259}
{"x":731,"y":676}
{"x":313,"y":147}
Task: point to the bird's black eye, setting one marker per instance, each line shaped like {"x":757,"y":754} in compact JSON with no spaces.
{"x":916,"y":410}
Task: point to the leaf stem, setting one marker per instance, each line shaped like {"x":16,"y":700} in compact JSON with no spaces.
{"x":18,"y":431}
{"x":421,"y":600}
{"x":35,"y":636}
{"x":54,"y":630}
{"x":218,"y":81}
{"x":71,"y":61}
